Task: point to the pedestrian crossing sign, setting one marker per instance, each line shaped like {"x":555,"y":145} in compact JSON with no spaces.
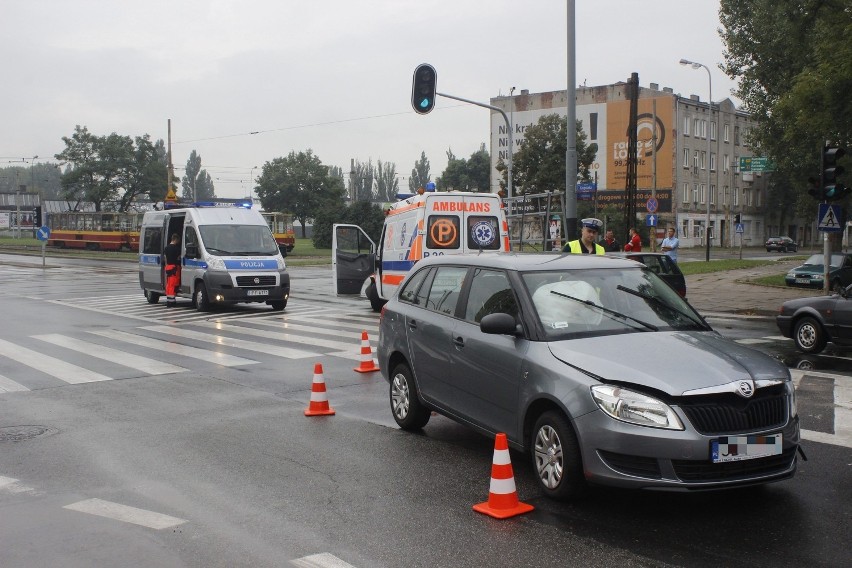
{"x":829,"y":218}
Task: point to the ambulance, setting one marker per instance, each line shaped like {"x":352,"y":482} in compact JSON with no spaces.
{"x":228,"y":256}
{"x":420,"y":225}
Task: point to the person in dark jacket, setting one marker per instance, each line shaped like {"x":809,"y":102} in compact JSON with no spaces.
{"x":172,"y":254}
{"x":609,"y":243}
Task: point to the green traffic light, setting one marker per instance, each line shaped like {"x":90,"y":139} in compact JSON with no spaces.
{"x":424,"y":103}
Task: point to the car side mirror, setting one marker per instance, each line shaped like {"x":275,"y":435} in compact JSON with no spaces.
{"x":191,"y":251}
{"x":499,"y":324}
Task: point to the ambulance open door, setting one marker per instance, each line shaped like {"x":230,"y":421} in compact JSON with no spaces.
{"x":353,"y":258}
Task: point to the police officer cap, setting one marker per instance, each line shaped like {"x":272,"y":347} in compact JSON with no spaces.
{"x":592,"y":223}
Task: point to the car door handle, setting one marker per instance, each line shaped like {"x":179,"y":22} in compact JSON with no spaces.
{"x":458,"y":341}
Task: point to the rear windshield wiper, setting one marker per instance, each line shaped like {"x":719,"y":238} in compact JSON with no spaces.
{"x":607,"y":311}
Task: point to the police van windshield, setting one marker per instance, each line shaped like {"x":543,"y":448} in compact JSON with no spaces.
{"x":238,"y":240}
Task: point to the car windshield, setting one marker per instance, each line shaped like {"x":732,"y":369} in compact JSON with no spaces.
{"x":238,"y":240}
{"x":572,"y":303}
{"x":817,"y":260}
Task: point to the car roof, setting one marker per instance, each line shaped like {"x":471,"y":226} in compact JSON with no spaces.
{"x":527,"y":262}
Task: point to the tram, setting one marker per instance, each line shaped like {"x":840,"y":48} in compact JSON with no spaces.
{"x":95,"y":230}
{"x":281,"y":225}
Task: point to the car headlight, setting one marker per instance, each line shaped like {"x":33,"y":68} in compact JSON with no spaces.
{"x":635,"y":408}
{"x":215,"y":263}
{"x":791,"y":274}
{"x":794,"y":405}
{"x":280,"y":260}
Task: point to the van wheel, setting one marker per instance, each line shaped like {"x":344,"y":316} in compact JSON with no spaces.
{"x":373,"y":295}
{"x":202,"y":303}
{"x":556,"y":457}
{"x":152,"y":297}
{"x":278,"y":305}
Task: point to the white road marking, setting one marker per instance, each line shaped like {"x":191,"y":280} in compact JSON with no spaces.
{"x":374,"y":323}
{"x":10,"y":485}
{"x":842,"y":409}
{"x":126,"y":514}
{"x":143,"y":364}
{"x":8,"y":385}
{"x":322,"y":560}
{"x":210,"y":356}
{"x":50,"y":365}
{"x":229,"y":342}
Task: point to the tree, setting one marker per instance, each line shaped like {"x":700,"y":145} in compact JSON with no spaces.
{"x":539,"y":163}
{"x":146,"y":176}
{"x":80,"y":153}
{"x":363,"y":179}
{"x":299,"y":184}
{"x":793,"y":65}
{"x":369,"y":216}
{"x":473,"y":174}
{"x":387,"y":185}
{"x":197,"y":183}
{"x":420,"y":174}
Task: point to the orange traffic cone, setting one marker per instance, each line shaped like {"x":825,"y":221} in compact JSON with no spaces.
{"x":319,"y":400}
{"x":367,"y":364}
{"x":502,"y":496}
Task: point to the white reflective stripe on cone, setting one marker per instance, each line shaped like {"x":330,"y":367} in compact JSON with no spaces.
{"x":502,"y":486}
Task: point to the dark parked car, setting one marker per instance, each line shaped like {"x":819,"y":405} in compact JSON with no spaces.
{"x":660,"y":264}
{"x":811,"y":273}
{"x":813,"y":322}
{"x":593,"y":366}
{"x":781,"y":244}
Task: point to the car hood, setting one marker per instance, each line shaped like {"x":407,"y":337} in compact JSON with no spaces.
{"x":671,"y":362}
{"x":817,"y":302}
{"x":812,"y":269}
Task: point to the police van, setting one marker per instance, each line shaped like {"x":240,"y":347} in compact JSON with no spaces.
{"x":425,"y":224}
{"x":228,"y":256}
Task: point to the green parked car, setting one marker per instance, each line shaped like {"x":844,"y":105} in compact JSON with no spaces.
{"x":811,"y":273}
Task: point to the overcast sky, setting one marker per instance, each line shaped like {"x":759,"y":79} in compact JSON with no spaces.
{"x":247,"y":81}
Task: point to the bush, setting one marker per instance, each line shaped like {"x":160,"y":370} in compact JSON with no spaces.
{"x":366,"y":215}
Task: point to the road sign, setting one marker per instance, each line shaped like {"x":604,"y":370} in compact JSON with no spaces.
{"x":829,"y":218}
{"x":651,"y":205}
{"x":43,"y":233}
{"x":740,"y":228}
{"x":651,"y":220}
{"x":756,"y":164}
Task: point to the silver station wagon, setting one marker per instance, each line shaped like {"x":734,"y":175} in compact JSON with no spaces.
{"x":593,"y":366}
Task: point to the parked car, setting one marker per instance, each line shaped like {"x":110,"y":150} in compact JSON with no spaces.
{"x":781,"y":244}
{"x":813,"y":322}
{"x":660,"y":264}
{"x":593,"y":366}
{"x":811,"y":273}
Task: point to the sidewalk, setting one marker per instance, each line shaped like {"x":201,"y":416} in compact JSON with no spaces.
{"x":726,"y":293}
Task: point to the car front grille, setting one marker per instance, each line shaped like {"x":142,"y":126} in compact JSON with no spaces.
{"x":249,"y":281}
{"x":638,"y":466}
{"x":730,"y":414}
{"x":707,"y":471}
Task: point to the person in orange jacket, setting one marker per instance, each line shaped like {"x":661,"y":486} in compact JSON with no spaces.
{"x":172,"y":254}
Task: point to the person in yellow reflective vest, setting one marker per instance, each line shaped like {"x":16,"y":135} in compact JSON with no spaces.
{"x":587,"y":243}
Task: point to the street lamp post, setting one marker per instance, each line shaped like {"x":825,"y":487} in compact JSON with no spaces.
{"x":696,"y":65}
{"x":251,"y":181}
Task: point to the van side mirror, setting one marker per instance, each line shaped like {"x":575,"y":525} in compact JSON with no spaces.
{"x":192,"y":251}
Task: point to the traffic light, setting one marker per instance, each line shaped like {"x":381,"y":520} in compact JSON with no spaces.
{"x":832,"y":188}
{"x":37,"y":216}
{"x":423,"y":88}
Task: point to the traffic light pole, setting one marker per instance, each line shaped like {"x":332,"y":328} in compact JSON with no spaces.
{"x":508,"y":127}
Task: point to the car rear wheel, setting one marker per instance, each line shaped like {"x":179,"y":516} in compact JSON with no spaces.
{"x":408,"y":410}
{"x":556,"y":457}
{"x":809,"y":336}
{"x":152,"y":297}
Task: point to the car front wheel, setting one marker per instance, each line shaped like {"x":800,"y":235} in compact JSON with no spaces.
{"x":202,"y":303}
{"x":408,"y":410}
{"x":809,"y":336}
{"x":556,"y":457}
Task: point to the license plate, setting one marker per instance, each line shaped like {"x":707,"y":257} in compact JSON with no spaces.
{"x":257,"y":293}
{"x":738,"y":448}
{"x":803,"y":280}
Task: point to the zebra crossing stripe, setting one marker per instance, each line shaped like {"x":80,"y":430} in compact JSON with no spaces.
{"x":8,"y":385}
{"x":143,"y":364}
{"x":125,"y":513}
{"x":287,"y":326}
{"x":274,"y":350}
{"x":48,"y":365}
{"x":289,"y":337}
{"x":215,"y":357}
{"x":345,"y":324}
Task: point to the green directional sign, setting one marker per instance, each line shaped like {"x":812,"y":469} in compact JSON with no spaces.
{"x":756,"y":164}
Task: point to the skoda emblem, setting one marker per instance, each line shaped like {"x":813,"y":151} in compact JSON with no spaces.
{"x":257,"y":281}
{"x":745,"y":389}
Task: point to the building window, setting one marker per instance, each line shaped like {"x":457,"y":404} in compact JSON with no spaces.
{"x":703,"y":193}
{"x":725,"y":196}
{"x":713,"y":194}
{"x":686,"y":120}
{"x":736,"y":135}
{"x":736,"y":197}
{"x":696,"y":130}
{"x":712,"y":130}
{"x":686,"y":192}
{"x":727,"y":136}
{"x":704,"y":129}
{"x":736,"y":165}
{"x":758,"y":197}
{"x":703,"y":160}
{"x":686,"y":158}
{"x":695,"y":193}
{"x":684,"y":230}
{"x":725,"y":165}
{"x":695,"y":161}
{"x":712,"y":162}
